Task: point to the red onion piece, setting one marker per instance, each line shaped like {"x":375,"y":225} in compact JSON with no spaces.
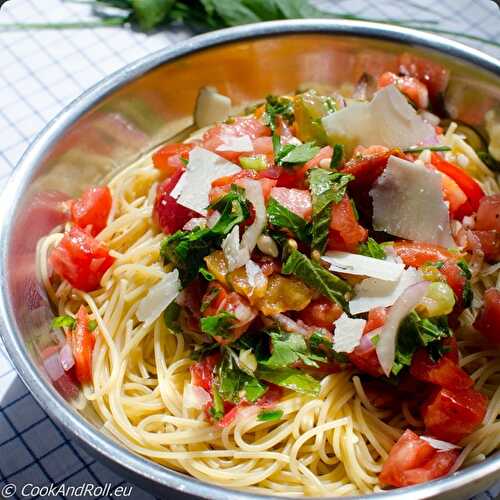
{"x":386,"y":347}
{"x":66,"y":357}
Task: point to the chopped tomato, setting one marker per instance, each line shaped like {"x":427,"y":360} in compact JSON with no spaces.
{"x":345,"y":231}
{"x":488,"y":320}
{"x":488,"y":214}
{"x":169,"y":158}
{"x":434,"y":76}
{"x":240,"y":126}
{"x":223,"y":185}
{"x":80,"y":259}
{"x":411,"y":87}
{"x":296,"y":200}
{"x":203,"y":372}
{"x":92,"y":209}
{"x":464,"y":181}
{"x":324,"y":154}
{"x":213,"y":299}
{"x":321,"y":312}
{"x":457,"y":281}
{"x":381,"y":394}
{"x":413,"y":460}
{"x":167,"y":213}
{"x":82,"y":342}
{"x":451,"y":415}
{"x":416,"y":253}
{"x":453,"y":195}
{"x":364,"y":356}
{"x":444,"y":372}
{"x":489,"y":242}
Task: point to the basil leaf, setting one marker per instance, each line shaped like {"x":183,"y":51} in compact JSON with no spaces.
{"x":269,"y":415}
{"x":315,"y":276}
{"x":337,"y":156}
{"x":372,"y":249}
{"x":281,"y":217}
{"x":326,"y":188}
{"x":218,"y":325}
{"x":64,"y":322}
{"x":171,"y":316}
{"x":291,"y":154}
{"x":291,"y":379}
{"x":467,"y":291}
{"x":217,"y":409}
{"x":234,"y":12}
{"x":150,"y":13}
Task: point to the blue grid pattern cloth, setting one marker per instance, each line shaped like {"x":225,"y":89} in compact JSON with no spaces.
{"x":40,"y":73}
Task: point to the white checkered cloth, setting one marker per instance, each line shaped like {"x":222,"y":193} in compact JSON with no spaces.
{"x":43,"y":71}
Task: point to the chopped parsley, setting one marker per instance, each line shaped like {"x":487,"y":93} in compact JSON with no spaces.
{"x":218,"y":325}
{"x":64,"y":321}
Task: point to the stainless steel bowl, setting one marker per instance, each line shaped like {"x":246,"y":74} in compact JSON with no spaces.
{"x":142,"y":104}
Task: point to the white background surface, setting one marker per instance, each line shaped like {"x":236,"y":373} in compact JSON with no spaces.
{"x":43,"y":71}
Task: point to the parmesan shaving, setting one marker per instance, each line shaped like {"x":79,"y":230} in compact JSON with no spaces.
{"x":348,"y":333}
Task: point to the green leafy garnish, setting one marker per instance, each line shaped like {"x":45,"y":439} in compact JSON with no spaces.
{"x":186,"y":249}
{"x":209,"y":297}
{"x":218,"y":325}
{"x":277,"y":106}
{"x":283,"y":218}
{"x":269,"y":415}
{"x":288,"y":348}
{"x":337,"y":156}
{"x":217,"y":409}
{"x":326,"y":188}
{"x":171,"y":316}
{"x":467,"y":291}
{"x":419,"y":149}
{"x":291,"y":154}
{"x":64,"y":322}
{"x":315,"y":276}
{"x":416,"y":332}
{"x":372,"y":249}
{"x":291,"y":379}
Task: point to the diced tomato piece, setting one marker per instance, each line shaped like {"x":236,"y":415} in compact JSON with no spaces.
{"x":364,"y":356}
{"x":464,"y":181}
{"x":92,"y":209}
{"x":82,"y":343}
{"x":203,"y":372}
{"x":167,"y":213}
{"x":434,"y":76}
{"x":445,"y":372}
{"x":296,"y":200}
{"x":213,"y":299}
{"x":223,"y":185}
{"x":272,"y":396}
{"x":381,"y":394}
{"x":345,"y":231}
{"x":169,"y":158}
{"x":488,"y":321}
{"x":457,"y":281}
{"x":412,"y":461}
{"x":321,"y":312}
{"x":453,"y":195}
{"x":488,"y":214}
{"x":452,"y":415}
{"x":416,"y":253}
{"x":412,"y":88}
{"x":490,"y":243}
{"x":325,"y":153}
{"x":213,"y":137}
{"x":80,"y":259}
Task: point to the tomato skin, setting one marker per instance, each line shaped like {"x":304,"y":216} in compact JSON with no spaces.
{"x":488,"y":320}
{"x":464,"y":181}
{"x":452,"y":415}
{"x":416,"y":254}
{"x":297,"y":201}
{"x":322,"y":313}
{"x":82,"y":342}
{"x":81,"y":260}
{"x":223,"y":185}
{"x":169,"y":158}
{"x":345,"y":231}
{"x":364,"y":356}
{"x":488,"y":214}
{"x":412,"y":461}
{"x":490,"y":243}
{"x":411,"y":87}
{"x":167,"y":213}
{"x":457,"y":281}
{"x":91,"y":210}
{"x":444,"y":373}
{"x":455,"y":197}
{"x":203,"y":372}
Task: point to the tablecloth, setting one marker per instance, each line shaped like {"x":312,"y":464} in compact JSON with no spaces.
{"x":41,"y":71}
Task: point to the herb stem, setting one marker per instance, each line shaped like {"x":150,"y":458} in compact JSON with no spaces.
{"x":424,"y":148}
{"x":104,"y":23}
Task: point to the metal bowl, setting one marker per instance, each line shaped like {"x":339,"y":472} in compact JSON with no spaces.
{"x":139,"y":106}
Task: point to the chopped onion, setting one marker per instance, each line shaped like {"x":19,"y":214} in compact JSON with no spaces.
{"x":289,"y":325}
{"x":239,"y":144}
{"x":386,"y":346}
{"x":210,"y":107}
{"x":235,"y":255}
{"x":195,"y":397}
{"x":53,"y":366}
{"x":66,"y":356}
{"x":194,"y":223}
{"x":439,"y":445}
{"x":254,"y":194}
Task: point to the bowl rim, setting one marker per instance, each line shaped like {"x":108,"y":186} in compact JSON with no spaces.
{"x":130,"y":464}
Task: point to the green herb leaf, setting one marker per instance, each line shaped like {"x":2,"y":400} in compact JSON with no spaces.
{"x":283,"y":218}
{"x":467,"y":295}
{"x":277,"y":106}
{"x":171,"y":316}
{"x":337,"y":156}
{"x":291,"y":379}
{"x":326,"y":188}
{"x":291,"y":154}
{"x":269,"y":415}
{"x":217,"y":409}
{"x":150,"y":13}
{"x":218,"y":325}
{"x":372,"y":249}
{"x":64,"y":322}
{"x":315,"y":276}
